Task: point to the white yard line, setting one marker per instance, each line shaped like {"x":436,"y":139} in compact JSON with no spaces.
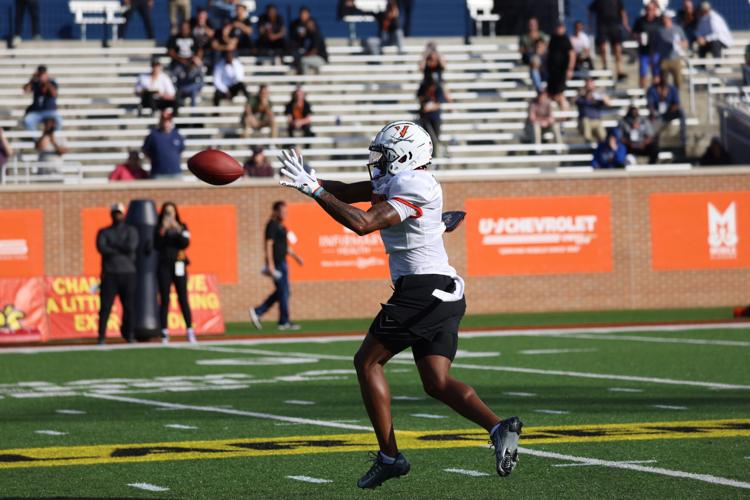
{"x":148,"y":487}
{"x":466,"y":472}
{"x":619,"y":462}
{"x":47,"y":432}
{"x":669,"y":407}
{"x":624,"y":389}
{"x":180,"y":426}
{"x":520,"y":394}
{"x":533,"y":352}
{"x":70,"y":412}
{"x":308,"y":479}
{"x":231,"y":411}
{"x":552,"y":412}
{"x":408,"y":398}
{"x":662,"y":340}
{"x":428,"y":415}
{"x":300,"y":402}
{"x":706,"y":478}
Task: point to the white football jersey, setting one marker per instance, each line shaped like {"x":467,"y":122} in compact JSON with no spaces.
{"x":416,"y":245}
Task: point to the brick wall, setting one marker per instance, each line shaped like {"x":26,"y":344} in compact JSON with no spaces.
{"x":631,"y":284}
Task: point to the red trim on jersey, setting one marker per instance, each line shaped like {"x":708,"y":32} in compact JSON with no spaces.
{"x":410,"y":205}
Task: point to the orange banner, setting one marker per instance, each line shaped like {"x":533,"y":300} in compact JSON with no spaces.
{"x":21,"y":243}
{"x":73,"y":307}
{"x":22,"y":317}
{"x":538,"y":235}
{"x":213,"y":239}
{"x":330,"y":251}
{"x":700,"y":230}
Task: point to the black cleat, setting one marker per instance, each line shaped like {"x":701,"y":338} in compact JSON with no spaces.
{"x":380,"y":472}
{"x":505,"y":442}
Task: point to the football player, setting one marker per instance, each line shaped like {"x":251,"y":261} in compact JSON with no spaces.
{"x":428,"y":300}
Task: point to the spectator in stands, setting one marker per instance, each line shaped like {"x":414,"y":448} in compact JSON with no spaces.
{"x":182,"y":47}
{"x":687,"y":18}
{"x":638,"y":135}
{"x":130,"y":170}
{"x":163,"y":147}
{"x":258,"y":165}
{"x":582,"y":46}
{"x":313,"y":53}
{"x":225,"y":39}
{"x":538,"y":66}
{"x":671,"y":44}
{"x":715,"y":154}
{"x":746,"y":67}
{"x":271,"y":33}
{"x":611,"y":19}
{"x":431,"y":98}
{"x":21,"y":7}
{"x":561,"y":60}
{"x":259,"y":113}
{"x":181,"y":8}
{"x":611,"y":152}
{"x":228,"y":79}
{"x":389,"y":29}
{"x":541,"y":119}
{"x":243,"y":29}
{"x":405,"y":7}
{"x":712,"y":34}
{"x":527,"y":41}
{"x":50,"y":148}
{"x":590,"y":104}
{"x":298,"y":28}
{"x":143,"y":7}
{"x":433,"y":64}
{"x":155,"y":89}
{"x":299,"y":114}
{"x":664,"y":106}
{"x":203,"y":30}
{"x":44,"y":105}
{"x":646,"y":32}
{"x":6,"y":152}
{"x":189,"y":81}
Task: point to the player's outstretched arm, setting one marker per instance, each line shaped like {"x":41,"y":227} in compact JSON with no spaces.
{"x":361,"y":222}
{"x":348,"y":193}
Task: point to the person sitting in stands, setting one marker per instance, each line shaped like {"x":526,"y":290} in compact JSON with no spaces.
{"x":44,"y":105}
{"x":590,"y":104}
{"x":664,"y":106}
{"x":50,"y":148}
{"x":182,"y":48}
{"x":611,"y":152}
{"x":389,"y":30}
{"x":712,"y":34}
{"x":271,"y":33}
{"x":312,"y":54}
{"x":243,"y":29}
{"x":155,"y":89}
{"x":258,"y":113}
{"x":131,"y":170}
{"x":299,"y":114}
{"x":538,"y":66}
{"x":581,"y":43}
{"x":541,"y":118}
{"x":228,"y":79}
{"x":527,"y":41}
{"x":638,"y":135}
{"x":258,"y":165}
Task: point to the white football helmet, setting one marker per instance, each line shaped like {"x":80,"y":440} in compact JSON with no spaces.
{"x":398,"y":147}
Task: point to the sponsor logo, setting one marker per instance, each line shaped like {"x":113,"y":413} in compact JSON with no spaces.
{"x":722,"y":232}
{"x":11,"y":319}
{"x":539,"y":235}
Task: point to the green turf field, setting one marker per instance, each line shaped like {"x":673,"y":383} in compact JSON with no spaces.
{"x":651,"y":413}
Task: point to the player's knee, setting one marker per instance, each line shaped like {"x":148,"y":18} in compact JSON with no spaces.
{"x":435,"y":386}
{"x":360,"y":361}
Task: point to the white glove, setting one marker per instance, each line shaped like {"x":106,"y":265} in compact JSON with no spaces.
{"x":293,"y":174}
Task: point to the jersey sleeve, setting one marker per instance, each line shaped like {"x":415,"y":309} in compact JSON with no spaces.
{"x":407,"y":195}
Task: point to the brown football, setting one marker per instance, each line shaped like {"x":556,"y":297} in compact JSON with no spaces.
{"x":215,"y":167}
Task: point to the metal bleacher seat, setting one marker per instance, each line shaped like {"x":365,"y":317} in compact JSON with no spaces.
{"x":366,"y":9}
{"x":481,"y":12}
{"x":103,"y":12}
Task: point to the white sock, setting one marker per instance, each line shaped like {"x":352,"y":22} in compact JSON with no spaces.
{"x":190,"y":331}
{"x":165,"y":332}
{"x":497,"y":426}
{"x":386,"y":459}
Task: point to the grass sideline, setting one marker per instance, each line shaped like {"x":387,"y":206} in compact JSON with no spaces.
{"x":508,"y":320}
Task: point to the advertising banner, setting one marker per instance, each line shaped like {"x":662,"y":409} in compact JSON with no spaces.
{"x":213,"y":239}
{"x":22,"y":317}
{"x":538,"y":235}
{"x":330,"y":251}
{"x":700,"y":230}
{"x":72,"y":306}
{"x":21,"y":243}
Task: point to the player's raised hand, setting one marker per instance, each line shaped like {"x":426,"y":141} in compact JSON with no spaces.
{"x":293,"y":173}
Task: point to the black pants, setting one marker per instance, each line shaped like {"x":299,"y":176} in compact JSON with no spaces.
{"x":306,"y":130}
{"x":431,"y":124}
{"x":652,"y":151}
{"x":149,"y":100}
{"x":33,"y":6}
{"x":140,"y":6}
{"x":166,"y":276}
{"x":237,"y":88}
{"x":405,"y":6}
{"x":713,"y":47}
{"x":122,"y":285}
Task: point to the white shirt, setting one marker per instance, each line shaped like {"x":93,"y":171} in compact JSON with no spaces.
{"x":226,"y":75}
{"x":580,"y":42}
{"x":415,"y":246}
{"x":162,"y":84}
{"x":712,"y":27}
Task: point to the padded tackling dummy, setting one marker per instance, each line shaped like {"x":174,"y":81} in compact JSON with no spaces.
{"x":142,"y":215}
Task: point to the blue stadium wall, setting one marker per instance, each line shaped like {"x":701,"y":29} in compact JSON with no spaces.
{"x":431,"y":17}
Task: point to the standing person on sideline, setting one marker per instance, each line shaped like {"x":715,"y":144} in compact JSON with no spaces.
{"x":163,"y":147}
{"x":170,"y":241}
{"x":428,"y":300}
{"x":276,"y":249}
{"x":117,"y":244}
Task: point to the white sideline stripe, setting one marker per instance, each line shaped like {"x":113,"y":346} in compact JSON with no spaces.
{"x":624,"y":389}
{"x":706,"y":478}
{"x":555,"y":351}
{"x":407,"y":398}
{"x":300,"y":402}
{"x":180,"y":426}
{"x":520,"y":394}
{"x":428,"y":415}
{"x":231,"y":411}
{"x":466,"y":472}
{"x":620,"y":462}
{"x":664,"y":340}
{"x":308,"y":479}
{"x":47,"y":432}
{"x":552,"y":412}
{"x":669,"y":407}
{"x":536,"y":332}
{"x":148,"y":487}
{"x":70,"y":412}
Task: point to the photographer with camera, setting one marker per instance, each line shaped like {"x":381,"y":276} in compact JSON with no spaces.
{"x":44,"y":104}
